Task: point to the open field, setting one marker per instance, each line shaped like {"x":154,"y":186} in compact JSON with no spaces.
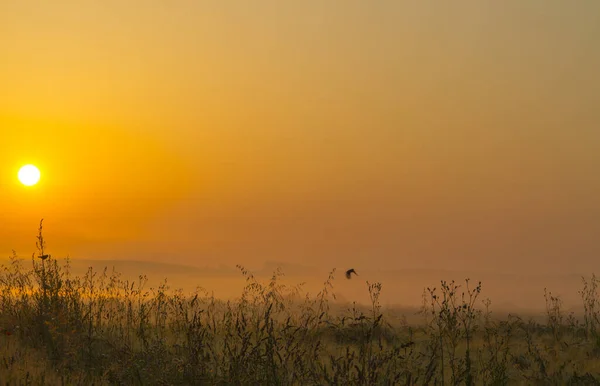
{"x":98,"y":328}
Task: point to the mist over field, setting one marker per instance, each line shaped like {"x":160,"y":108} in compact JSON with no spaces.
{"x":402,"y":290}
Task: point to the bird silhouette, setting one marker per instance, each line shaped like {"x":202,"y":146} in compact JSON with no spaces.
{"x":350,"y":272}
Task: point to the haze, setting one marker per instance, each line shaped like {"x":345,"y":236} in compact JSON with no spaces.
{"x":381,"y":135}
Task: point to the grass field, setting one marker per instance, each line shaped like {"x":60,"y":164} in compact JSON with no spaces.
{"x":99,"y":329}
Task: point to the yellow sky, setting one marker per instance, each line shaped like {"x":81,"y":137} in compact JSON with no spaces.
{"x":402,"y":134}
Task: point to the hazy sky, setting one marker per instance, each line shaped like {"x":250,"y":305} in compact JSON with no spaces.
{"x":395,"y":134}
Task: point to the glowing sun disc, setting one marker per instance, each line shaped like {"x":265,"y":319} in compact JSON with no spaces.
{"x":29,"y":175}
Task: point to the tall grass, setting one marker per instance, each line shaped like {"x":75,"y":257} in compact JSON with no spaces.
{"x":102,"y":329}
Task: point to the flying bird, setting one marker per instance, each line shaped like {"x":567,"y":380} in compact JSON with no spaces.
{"x":350,"y":272}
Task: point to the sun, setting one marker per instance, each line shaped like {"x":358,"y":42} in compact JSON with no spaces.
{"x":29,"y":175}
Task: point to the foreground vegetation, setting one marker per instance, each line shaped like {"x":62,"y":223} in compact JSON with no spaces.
{"x":101,"y":329}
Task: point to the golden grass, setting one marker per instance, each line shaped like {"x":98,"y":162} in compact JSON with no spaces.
{"x":100,"y":329}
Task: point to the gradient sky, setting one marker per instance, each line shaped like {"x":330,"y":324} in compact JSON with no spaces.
{"x":355,"y":133}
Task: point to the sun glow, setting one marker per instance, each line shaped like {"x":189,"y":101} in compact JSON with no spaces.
{"x":29,"y":175}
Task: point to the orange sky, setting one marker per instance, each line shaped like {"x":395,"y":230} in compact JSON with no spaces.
{"x":338,"y":133}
